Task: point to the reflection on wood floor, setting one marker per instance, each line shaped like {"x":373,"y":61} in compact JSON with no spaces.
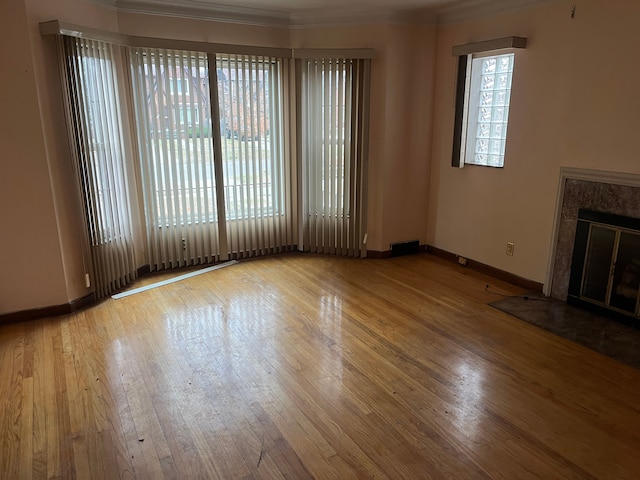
{"x":305,"y":366}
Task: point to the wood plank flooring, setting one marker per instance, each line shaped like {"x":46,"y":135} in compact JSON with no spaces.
{"x":305,"y":366}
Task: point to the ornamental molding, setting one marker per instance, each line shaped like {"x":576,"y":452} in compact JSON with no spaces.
{"x":204,"y":10}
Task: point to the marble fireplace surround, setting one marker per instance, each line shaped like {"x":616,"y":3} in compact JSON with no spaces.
{"x":609,"y":192}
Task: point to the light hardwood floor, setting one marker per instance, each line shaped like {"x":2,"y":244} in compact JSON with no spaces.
{"x":305,"y":366}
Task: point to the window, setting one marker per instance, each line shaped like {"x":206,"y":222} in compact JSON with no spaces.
{"x":485,"y":73}
{"x":487,"y":110}
{"x":176,"y":157}
{"x":178,"y":85}
{"x":252,"y":150}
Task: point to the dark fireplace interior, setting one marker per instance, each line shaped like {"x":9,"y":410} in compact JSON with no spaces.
{"x":605,"y":266}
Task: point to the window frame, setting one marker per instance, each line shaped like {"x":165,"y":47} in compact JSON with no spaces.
{"x":473,"y":91}
{"x":466,"y":54}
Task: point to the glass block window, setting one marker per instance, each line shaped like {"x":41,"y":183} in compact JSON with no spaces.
{"x":487,"y":109}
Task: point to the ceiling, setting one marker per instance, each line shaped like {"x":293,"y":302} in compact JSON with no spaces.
{"x":320,"y":12}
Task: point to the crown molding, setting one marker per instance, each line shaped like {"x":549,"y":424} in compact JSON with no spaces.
{"x":469,"y":9}
{"x":204,"y":10}
{"x":357,"y":16}
{"x":347,"y":16}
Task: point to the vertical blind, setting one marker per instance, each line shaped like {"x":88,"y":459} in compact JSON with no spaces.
{"x":258,"y":197}
{"x":212,"y":155}
{"x":333,"y":141}
{"x":97,"y":139}
{"x":214,"y":136}
{"x":173,"y":115}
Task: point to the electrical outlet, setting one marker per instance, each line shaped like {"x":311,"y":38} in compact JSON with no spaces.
{"x":462,"y":261}
{"x":510,"y":247}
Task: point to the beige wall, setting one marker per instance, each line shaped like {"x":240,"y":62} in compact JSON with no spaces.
{"x":68,"y":211}
{"x":40,"y":248}
{"x":30,"y":256}
{"x":574,"y":103}
{"x":404,"y":185}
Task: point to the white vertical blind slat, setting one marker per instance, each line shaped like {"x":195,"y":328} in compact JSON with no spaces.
{"x":200,"y":204}
{"x":339,"y":167}
{"x":240,"y":133}
{"x":316,"y":135}
{"x":229,"y":111}
{"x":351,"y":100}
{"x":329,"y":130}
{"x":273,"y":103}
{"x":182,"y":153}
{"x":252,"y":160}
{"x":260,"y":193}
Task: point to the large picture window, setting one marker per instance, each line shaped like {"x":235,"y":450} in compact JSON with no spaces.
{"x":199,"y":208}
{"x":252,"y":156}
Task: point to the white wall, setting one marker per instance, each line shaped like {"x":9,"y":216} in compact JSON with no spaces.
{"x":574,"y":102}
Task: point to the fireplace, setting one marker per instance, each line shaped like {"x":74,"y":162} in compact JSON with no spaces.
{"x":605,"y":267}
{"x":610,"y":192}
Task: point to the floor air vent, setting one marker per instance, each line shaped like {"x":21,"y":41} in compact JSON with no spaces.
{"x":405,"y":248}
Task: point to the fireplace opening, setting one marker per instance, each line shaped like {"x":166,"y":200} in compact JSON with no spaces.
{"x":605,"y":269}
